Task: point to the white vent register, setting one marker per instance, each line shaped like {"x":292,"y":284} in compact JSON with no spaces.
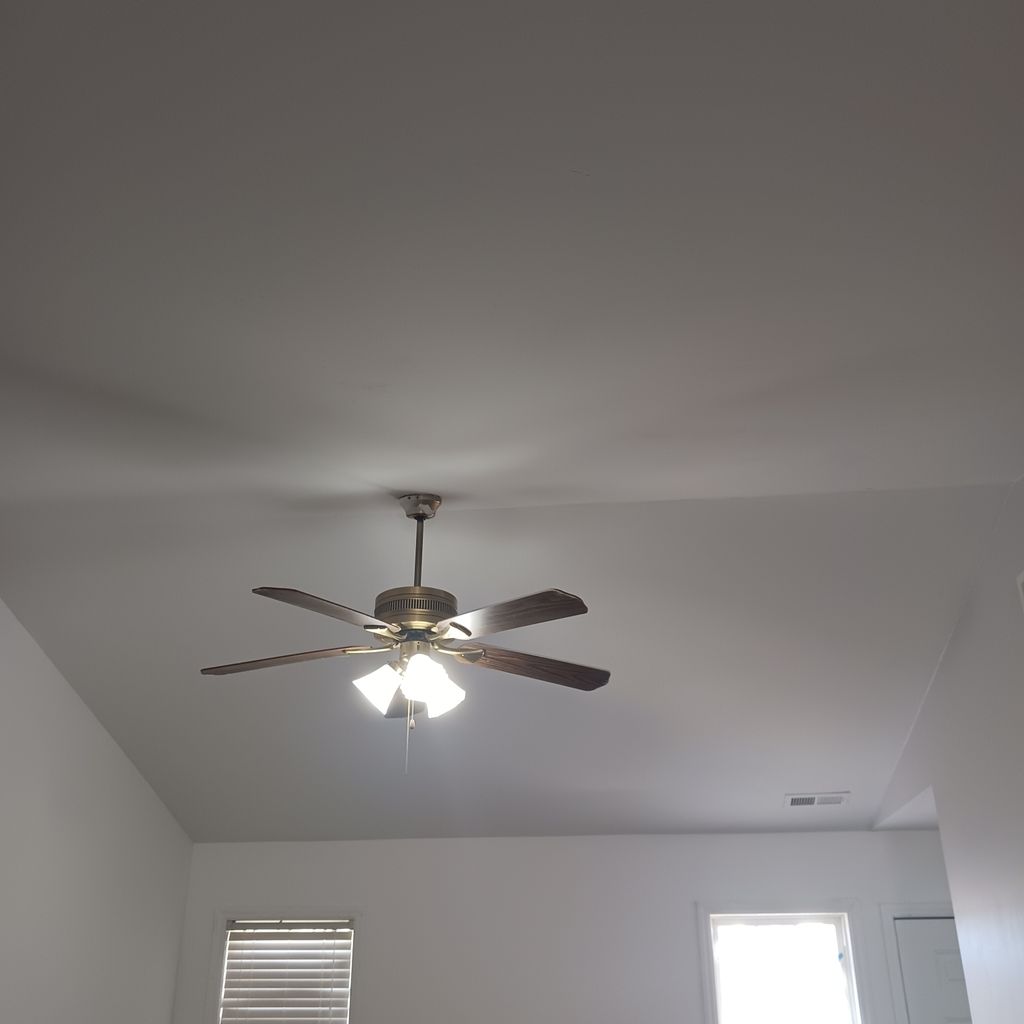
{"x":816,"y":799}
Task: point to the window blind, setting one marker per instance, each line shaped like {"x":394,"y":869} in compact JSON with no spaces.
{"x":287,"y":971}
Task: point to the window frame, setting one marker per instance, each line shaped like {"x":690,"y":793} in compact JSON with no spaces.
{"x":848,"y":908}
{"x":219,"y":944}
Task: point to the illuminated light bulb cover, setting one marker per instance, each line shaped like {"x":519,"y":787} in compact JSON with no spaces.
{"x":424,"y":680}
{"x":379,"y":687}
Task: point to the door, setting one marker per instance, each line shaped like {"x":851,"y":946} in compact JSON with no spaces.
{"x":933,"y":976}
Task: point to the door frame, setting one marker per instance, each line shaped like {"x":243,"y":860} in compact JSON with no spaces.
{"x":890,"y":913}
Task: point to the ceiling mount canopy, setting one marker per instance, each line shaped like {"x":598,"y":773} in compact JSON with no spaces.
{"x":417,"y":623}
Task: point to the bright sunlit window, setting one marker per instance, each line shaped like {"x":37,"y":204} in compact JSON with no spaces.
{"x":791,"y":968}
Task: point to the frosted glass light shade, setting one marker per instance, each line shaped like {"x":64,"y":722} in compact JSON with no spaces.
{"x":426,"y":681}
{"x":379,"y":687}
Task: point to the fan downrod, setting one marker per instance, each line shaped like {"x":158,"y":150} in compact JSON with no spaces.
{"x":420,"y":507}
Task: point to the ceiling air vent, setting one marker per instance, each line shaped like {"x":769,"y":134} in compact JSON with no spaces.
{"x":816,"y":799}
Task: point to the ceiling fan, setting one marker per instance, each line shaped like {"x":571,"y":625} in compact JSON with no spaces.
{"x":418,"y":622}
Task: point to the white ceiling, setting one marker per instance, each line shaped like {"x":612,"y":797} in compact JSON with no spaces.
{"x":711,"y":317}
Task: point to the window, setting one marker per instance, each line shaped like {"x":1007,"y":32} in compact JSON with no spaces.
{"x":287,"y":971}
{"x":783,"y":967}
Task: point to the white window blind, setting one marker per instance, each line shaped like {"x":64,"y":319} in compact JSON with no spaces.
{"x":287,"y":971}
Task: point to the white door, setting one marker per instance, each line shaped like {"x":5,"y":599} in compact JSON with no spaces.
{"x":933,"y":976}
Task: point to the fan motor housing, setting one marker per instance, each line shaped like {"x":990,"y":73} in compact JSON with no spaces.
{"x":415,"y":607}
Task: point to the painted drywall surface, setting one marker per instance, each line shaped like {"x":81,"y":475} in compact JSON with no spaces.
{"x":546,"y":930}
{"x":93,"y":868}
{"x":970,"y":738}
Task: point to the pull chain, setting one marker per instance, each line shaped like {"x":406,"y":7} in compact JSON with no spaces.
{"x":408,"y":729}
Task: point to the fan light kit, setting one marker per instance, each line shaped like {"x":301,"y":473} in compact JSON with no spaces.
{"x":422,"y":681}
{"x":416,"y":623}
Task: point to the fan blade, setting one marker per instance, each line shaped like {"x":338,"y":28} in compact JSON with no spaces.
{"x":300,"y":599}
{"x":523,"y":611}
{"x":289,"y":659}
{"x":565,"y":673}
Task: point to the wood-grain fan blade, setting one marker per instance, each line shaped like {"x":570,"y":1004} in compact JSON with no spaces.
{"x":300,"y":599}
{"x":564,"y":673}
{"x":544,"y":606}
{"x":289,"y":659}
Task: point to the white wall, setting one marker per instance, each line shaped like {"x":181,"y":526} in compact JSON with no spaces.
{"x":969,"y":744}
{"x":93,"y":868}
{"x":549,"y":930}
